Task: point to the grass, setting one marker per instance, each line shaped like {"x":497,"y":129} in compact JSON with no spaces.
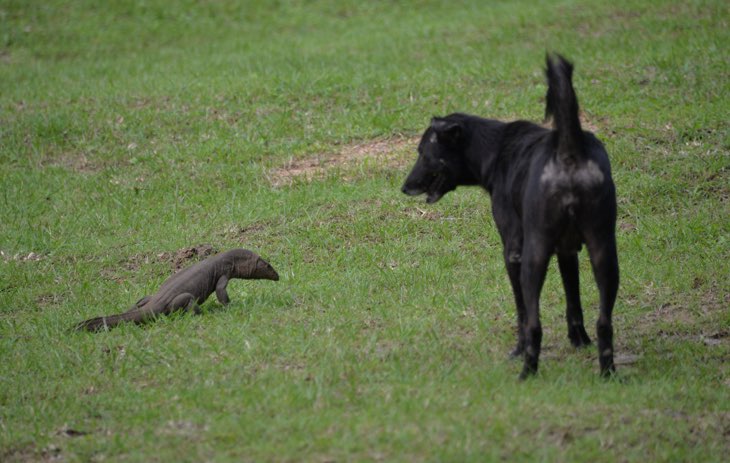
{"x":134,"y":130}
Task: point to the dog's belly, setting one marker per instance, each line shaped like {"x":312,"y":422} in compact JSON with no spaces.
{"x":569,"y":241}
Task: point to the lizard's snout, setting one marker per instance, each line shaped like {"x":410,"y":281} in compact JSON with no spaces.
{"x":266,"y":271}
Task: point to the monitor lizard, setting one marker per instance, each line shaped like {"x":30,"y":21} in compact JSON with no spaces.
{"x":190,"y":287}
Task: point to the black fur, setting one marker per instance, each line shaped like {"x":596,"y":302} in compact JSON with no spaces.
{"x":551,"y":192}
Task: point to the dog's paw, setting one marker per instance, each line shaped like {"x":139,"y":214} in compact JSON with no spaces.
{"x":529,"y":368}
{"x":608,"y":369}
{"x":609,"y":373}
{"x":517,"y":351}
{"x":527,"y":373}
{"x":578,"y":336}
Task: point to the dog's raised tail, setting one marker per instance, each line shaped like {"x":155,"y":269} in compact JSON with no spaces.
{"x":562,"y":105}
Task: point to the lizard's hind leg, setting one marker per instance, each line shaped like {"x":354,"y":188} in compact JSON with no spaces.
{"x":185,"y":301}
{"x":139,"y":304}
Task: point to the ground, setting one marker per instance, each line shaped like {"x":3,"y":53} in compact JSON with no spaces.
{"x":137,"y":138}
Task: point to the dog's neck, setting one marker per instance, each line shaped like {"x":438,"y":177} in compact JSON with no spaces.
{"x":482,"y":155}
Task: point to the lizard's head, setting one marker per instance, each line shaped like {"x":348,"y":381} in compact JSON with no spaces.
{"x":264,"y":271}
{"x":251,"y":266}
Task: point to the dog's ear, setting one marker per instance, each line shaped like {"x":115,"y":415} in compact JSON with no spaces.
{"x":446,"y":130}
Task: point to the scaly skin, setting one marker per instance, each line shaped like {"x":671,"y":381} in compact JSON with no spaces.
{"x":190,"y":287}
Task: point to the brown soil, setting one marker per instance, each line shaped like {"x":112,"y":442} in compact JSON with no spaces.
{"x":388,"y":152}
{"x":177,"y":259}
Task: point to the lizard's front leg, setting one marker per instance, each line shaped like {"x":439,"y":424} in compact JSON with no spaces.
{"x":220,"y":290}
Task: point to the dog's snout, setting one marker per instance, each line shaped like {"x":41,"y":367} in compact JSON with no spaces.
{"x":410,"y":190}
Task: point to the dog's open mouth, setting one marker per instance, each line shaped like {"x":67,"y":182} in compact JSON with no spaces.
{"x":435,"y":190}
{"x":434,"y":187}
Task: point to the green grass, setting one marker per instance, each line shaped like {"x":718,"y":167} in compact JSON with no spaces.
{"x":132,"y":129}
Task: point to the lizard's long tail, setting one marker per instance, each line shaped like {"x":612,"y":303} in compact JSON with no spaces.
{"x":110,"y":321}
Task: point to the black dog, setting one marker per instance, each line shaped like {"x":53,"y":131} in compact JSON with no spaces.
{"x":551,"y":192}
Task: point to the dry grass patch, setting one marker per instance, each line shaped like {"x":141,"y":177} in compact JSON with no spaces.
{"x":178,"y":260}
{"x":76,"y":162}
{"x":21,"y":257}
{"x":393,"y":152}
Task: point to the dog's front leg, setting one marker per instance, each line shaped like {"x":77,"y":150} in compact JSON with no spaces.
{"x":535,"y":258}
{"x":513,"y":270}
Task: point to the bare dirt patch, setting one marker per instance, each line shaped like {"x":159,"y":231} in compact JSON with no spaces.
{"x":49,"y":299}
{"x":177,"y":259}
{"x":70,"y":432}
{"x":183,"y":428}
{"x":73,"y":162}
{"x":246,"y":232}
{"x":30,"y":453}
{"x":185,"y":256}
{"x":21,"y":257}
{"x":385,"y":152}
{"x":599,"y":125}
{"x":182,"y":257}
{"x":670,"y":313}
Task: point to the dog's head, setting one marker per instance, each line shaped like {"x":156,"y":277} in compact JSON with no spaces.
{"x":441,"y":165}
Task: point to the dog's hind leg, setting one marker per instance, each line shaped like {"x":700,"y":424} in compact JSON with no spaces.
{"x":535,"y":258}
{"x":568,"y":264}
{"x":602,"y":251}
